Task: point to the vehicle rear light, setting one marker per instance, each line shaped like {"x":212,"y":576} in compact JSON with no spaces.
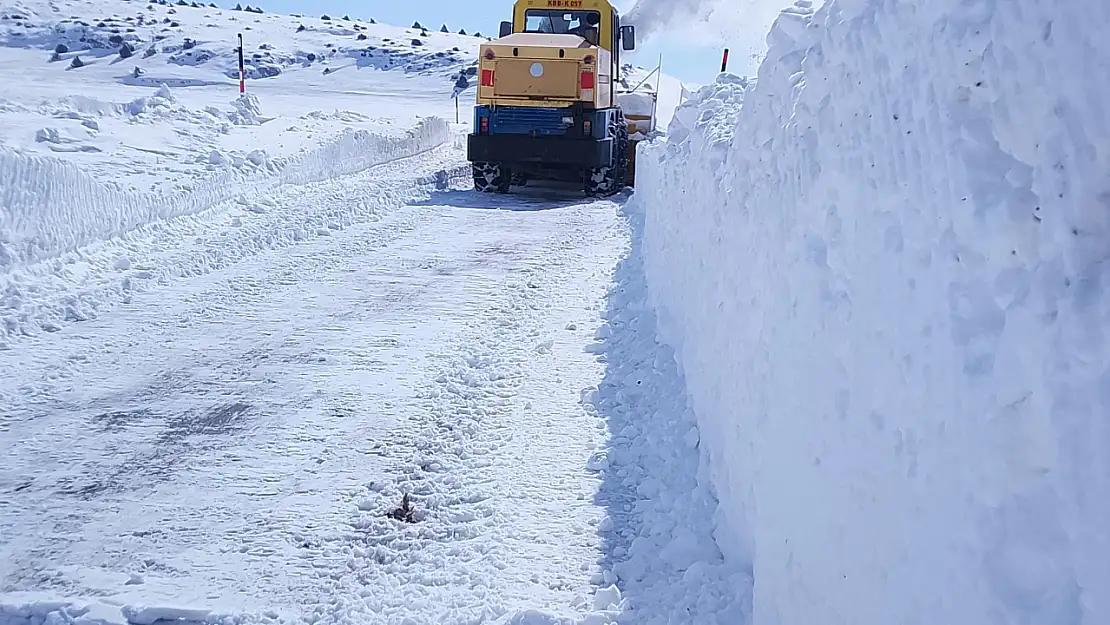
{"x":588,"y":80}
{"x":586,"y":127}
{"x":483,"y":125}
{"x":487,"y":78}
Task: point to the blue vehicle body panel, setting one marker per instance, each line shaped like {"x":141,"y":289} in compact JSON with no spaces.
{"x":541,"y":121}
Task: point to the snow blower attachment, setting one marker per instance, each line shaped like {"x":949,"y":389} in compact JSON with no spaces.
{"x":550,"y":105}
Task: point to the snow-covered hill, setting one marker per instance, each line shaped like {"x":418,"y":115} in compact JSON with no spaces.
{"x":154,"y":105}
{"x":883,"y":268}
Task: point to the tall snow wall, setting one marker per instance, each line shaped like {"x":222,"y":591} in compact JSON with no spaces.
{"x":886,"y":279}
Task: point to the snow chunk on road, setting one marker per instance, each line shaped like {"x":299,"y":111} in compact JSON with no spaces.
{"x":32,"y":608}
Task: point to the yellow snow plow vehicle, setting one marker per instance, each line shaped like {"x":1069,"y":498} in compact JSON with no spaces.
{"x":550,"y":103}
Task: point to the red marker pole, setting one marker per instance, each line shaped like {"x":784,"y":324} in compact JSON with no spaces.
{"x":724,"y":61}
{"x":242,"y":72}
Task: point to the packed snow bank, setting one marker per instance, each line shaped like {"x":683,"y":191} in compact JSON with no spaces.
{"x":83,"y":264}
{"x":29,"y":608}
{"x":886,"y":281}
{"x":658,"y":534}
{"x":48,"y":206}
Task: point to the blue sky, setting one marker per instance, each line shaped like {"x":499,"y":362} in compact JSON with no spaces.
{"x":690,"y":62}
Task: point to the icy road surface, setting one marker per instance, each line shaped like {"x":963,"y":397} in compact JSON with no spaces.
{"x":235,"y":441}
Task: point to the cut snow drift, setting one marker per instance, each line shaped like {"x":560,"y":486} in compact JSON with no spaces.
{"x":886,"y":281}
{"x":50,"y":206}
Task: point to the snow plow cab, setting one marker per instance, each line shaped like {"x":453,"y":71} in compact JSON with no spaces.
{"x":548,"y":106}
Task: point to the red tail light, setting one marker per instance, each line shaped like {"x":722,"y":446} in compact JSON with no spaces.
{"x":487,"y":78}
{"x":483,"y":124}
{"x":588,"y":80}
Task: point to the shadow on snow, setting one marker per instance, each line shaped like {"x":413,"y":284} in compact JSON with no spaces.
{"x":530,"y":198}
{"x":658,"y":540}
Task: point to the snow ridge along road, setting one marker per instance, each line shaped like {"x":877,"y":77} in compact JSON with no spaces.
{"x":68,"y":265}
{"x":228,"y":446}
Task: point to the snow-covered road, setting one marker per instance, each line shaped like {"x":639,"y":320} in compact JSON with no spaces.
{"x":235,"y":441}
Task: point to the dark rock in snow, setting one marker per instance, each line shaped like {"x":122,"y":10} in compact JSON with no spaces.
{"x":443,"y":29}
{"x":76,"y":62}
{"x":361,"y":36}
{"x":126,"y":51}
{"x":417,"y":42}
{"x":61,"y":48}
{"x":417,"y":25}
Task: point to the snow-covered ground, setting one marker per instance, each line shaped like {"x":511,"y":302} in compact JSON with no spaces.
{"x":235,"y":333}
{"x":839,"y":360}
{"x":883,"y":268}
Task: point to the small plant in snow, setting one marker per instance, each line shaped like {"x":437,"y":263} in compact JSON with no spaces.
{"x":406,"y":512}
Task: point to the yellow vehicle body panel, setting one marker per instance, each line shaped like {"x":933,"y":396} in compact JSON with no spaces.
{"x":534,"y":69}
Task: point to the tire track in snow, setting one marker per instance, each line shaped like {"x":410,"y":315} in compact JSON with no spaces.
{"x":328,"y":340}
{"x":495,"y":459}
